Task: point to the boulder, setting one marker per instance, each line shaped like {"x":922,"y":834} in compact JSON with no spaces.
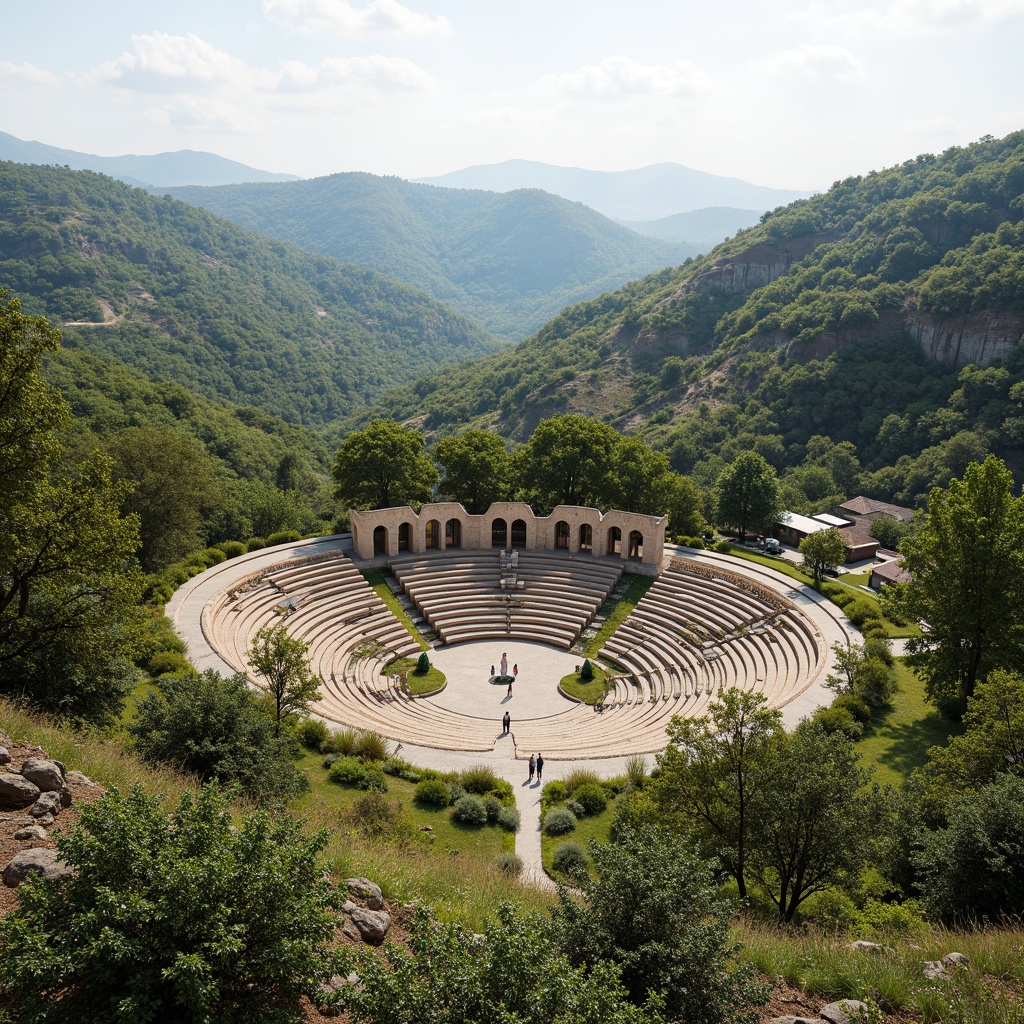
{"x":845,"y":1011}
{"x":366,"y":890}
{"x":31,"y":832}
{"x":38,"y":861}
{"x":372,"y":925}
{"x":956,"y":960}
{"x":934,"y":969}
{"x":16,"y":791}
{"x":46,"y":820}
{"x":78,"y":779}
{"x":790,"y":1019}
{"x":863,"y":946}
{"x":5,"y":739}
{"x":5,"y":755}
{"x":48,"y":803}
{"x":47,"y":775}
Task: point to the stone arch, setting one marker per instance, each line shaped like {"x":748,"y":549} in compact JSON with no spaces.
{"x":636,"y":546}
{"x":404,"y":536}
{"x":381,"y":540}
{"x":517,"y":538}
{"x":453,"y":534}
{"x":586,"y":537}
{"x":614,"y":540}
{"x":562,"y":535}
{"x":499,"y":533}
{"x":432,"y":534}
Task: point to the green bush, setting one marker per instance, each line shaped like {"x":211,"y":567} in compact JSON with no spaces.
{"x":422,"y":664}
{"x":833,"y":719}
{"x":379,"y":817}
{"x":569,"y":859}
{"x":554,"y":792}
{"x":874,"y":628}
{"x":842,"y":597}
{"x":723,"y":547}
{"x":375,"y":779}
{"x":833,"y":590}
{"x":343,"y":742}
{"x":214,"y":556}
{"x":232,"y":548}
{"x":480,"y":780}
{"x":510,"y":864}
{"x":636,"y":771}
{"x":370,"y":746}
{"x":591,"y":797}
{"x":470,"y":810}
{"x":587,"y":671}
{"x":255,"y":544}
{"x":576,"y":807}
{"x":892,"y":920}
{"x":831,"y":910}
{"x":433,"y":792}
{"x":311,"y":733}
{"x":508,"y":819}
{"x":859,"y":708}
{"x":168,"y":663}
{"x":283,"y":537}
{"x":149,"y":925}
{"x":348,"y":771}
{"x":493,"y":806}
{"x":859,"y":612}
{"x":559,"y":821}
{"x":400,"y":769}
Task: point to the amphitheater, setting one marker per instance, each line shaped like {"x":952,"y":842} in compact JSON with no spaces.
{"x":707,"y":622}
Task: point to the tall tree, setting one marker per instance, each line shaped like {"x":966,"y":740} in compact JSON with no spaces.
{"x":476,"y":469}
{"x":281,"y":660}
{"x":967,"y":565}
{"x":747,"y":493}
{"x":822,"y":551}
{"x":710,"y":773}
{"x":568,"y":461}
{"x":383,"y":465}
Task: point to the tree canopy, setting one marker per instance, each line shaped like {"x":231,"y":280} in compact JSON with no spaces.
{"x":383,"y":465}
{"x":747,"y":495}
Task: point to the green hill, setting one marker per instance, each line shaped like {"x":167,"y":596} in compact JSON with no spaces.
{"x":832,"y":315}
{"x":509,"y":260}
{"x":187,"y":297}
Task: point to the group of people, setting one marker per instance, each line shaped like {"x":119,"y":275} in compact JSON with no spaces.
{"x":536,"y":762}
{"x":504,"y":672}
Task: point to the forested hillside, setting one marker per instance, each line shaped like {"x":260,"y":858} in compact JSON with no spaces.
{"x":847,"y":315}
{"x":510,"y":260}
{"x":186,"y":297}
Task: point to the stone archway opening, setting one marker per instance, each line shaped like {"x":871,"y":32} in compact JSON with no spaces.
{"x":586,"y":537}
{"x":453,"y":534}
{"x":433,"y":534}
{"x":636,"y":546}
{"x":518,"y":533}
{"x":404,"y":536}
{"x":614,"y":540}
{"x":499,"y":533}
{"x":562,"y":535}
{"x":380,"y":540}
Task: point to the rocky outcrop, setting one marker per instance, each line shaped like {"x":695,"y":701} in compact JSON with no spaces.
{"x":846,"y":1011}
{"x":979,"y":338}
{"x":33,"y":862}
{"x":16,"y":791}
{"x":744,"y":272}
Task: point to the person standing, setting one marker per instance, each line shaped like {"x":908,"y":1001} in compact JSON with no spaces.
{"x":506,"y":722}
{"x":492,"y":671}
{"x":509,"y":688}
{"x":540,"y":768}
{"x":515,"y":671}
{"x":504,"y":663}
{"x":533,"y":766}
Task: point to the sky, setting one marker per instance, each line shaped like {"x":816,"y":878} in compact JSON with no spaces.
{"x":787,"y":94}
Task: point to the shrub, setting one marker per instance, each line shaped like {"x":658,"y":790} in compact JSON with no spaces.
{"x":422,"y":664}
{"x":890,"y":920}
{"x":433,"y":792}
{"x":479,"y":779}
{"x":375,"y":779}
{"x":636,"y":771}
{"x":329,"y":760}
{"x":283,"y":537}
{"x":168,"y":663}
{"x":875,"y":682}
{"x":508,"y":819}
{"x":378,"y":817}
{"x":581,"y":777}
{"x":832,"y":591}
{"x":161,"y":949}
{"x":255,"y":544}
{"x":576,"y":807}
{"x":833,"y":719}
{"x":370,"y":746}
{"x":555,"y":791}
{"x":232,"y":548}
{"x":591,"y":797}
{"x":857,"y":707}
{"x":859,"y":612}
{"x":348,"y":771}
{"x":587,"y":671}
{"x":510,"y":864}
{"x":831,"y":910}
{"x":842,"y":597}
{"x":874,"y":629}
{"x":493,"y":806}
{"x":311,"y":733}
{"x":559,"y":821}
{"x":569,"y":859}
{"x":723,"y":547}
{"x":341,"y":742}
{"x":399,"y":768}
{"x":470,"y":810}
{"x":214,"y":556}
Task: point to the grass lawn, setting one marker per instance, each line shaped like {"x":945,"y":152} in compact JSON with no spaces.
{"x":897,"y":740}
{"x":376,"y":580}
{"x":590,"y":692}
{"x":432,"y":679}
{"x":638,"y":586}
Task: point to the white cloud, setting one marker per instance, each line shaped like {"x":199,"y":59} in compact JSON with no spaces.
{"x":815,"y":60}
{"x":342,"y":18}
{"x":620,"y":77}
{"x":203,"y":115}
{"x":26,"y":72}
{"x":912,"y":15}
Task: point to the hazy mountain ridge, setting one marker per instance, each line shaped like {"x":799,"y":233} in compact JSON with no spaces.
{"x":703,"y":229}
{"x":184,"y":296}
{"x":643,"y":193}
{"x":510,"y":260}
{"x":182,"y":167}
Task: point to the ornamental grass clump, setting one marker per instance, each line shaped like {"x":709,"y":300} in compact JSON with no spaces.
{"x":559,"y":821}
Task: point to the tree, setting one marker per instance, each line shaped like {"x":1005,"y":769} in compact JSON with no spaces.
{"x":685,"y":506}
{"x":174,"y":491}
{"x":967,"y":564}
{"x":747,"y":493}
{"x":476,"y":469}
{"x":711,"y":771}
{"x":567,"y":461}
{"x":186,"y":917}
{"x":382,"y":466}
{"x":639,"y":479}
{"x":822,"y":551}
{"x":656,"y":910}
{"x":812,"y":819}
{"x":888,"y":531}
{"x":216,"y":728}
{"x":281,"y":660}
{"x":512,"y":971}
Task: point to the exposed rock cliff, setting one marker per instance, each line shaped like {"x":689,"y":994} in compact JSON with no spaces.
{"x":979,"y":338}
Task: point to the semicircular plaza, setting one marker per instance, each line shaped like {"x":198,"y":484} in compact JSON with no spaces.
{"x":706,"y":623}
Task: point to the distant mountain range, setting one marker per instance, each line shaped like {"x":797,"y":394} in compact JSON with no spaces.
{"x":510,"y":260}
{"x":184,"y":167}
{"x":646,"y":193}
{"x":702,"y":229}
